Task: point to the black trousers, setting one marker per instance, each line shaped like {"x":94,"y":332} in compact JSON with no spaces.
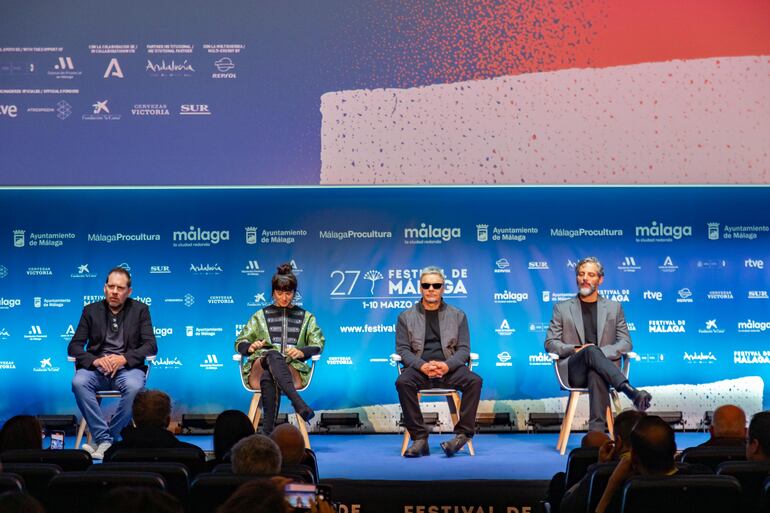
{"x":412,"y":380}
{"x":276,"y":378}
{"x":591,"y":369}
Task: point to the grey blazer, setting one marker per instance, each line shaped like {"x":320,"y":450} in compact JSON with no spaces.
{"x":566,"y":331}
{"x":455,"y":337}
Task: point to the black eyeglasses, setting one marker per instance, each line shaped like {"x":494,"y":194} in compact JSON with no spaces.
{"x":114,"y":327}
{"x":436,"y":286}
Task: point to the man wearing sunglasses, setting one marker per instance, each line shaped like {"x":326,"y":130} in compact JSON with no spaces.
{"x":112,"y":339}
{"x":433,"y":342}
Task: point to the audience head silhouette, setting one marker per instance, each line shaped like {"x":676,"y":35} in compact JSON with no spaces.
{"x":289,"y":440}
{"x":152,"y":408}
{"x":729,"y":421}
{"x":256,"y":455}
{"x":653,"y":446}
{"x":230,"y":427}
{"x":21,"y":432}
{"x":128,"y":499}
{"x":256,"y":497}
{"x":758,"y":443}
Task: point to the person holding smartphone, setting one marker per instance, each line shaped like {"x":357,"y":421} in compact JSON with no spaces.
{"x":275,"y":344}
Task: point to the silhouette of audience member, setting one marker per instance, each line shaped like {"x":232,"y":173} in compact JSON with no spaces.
{"x":653,"y":448}
{"x":231,"y":426}
{"x":758,"y":442}
{"x":728,"y":427}
{"x":151,"y":412}
{"x":289,"y":440}
{"x":21,"y":432}
{"x":576,"y":498}
{"x":17,"y":502}
{"x":594,"y":439}
{"x":127,"y":499}
{"x":257,"y":497}
{"x":256,"y":455}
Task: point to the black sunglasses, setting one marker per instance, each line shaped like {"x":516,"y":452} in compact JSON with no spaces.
{"x":436,"y":286}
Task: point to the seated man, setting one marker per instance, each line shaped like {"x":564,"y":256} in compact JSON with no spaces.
{"x":112,"y":339}
{"x":152,"y":415}
{"x":589,"y":333}
{"x":758,"y":442}
{"x":433,"y":341}
{"x":728,"y":427}
{"x":256,"y":455}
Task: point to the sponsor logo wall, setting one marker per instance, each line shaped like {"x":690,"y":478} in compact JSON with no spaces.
{"x":692,"y":279}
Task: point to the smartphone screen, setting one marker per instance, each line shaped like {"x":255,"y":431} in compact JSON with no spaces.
{"x":57,"y":440}
{"x":298,"y":495}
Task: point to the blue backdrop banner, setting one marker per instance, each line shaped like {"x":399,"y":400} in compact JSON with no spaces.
{"x":688,"y":264}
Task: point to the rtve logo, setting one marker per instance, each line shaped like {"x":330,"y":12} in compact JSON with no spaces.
{"x":10,"y":111}
{"x":750,"y":263}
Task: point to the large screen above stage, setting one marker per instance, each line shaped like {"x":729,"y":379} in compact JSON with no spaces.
{"x":247,"y":92}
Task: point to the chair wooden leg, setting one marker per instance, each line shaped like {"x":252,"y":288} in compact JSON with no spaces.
{"x":610,"y":422}
{"x":302,"y":428}
{"x":81,"y":430}
{"x":255,"y":412}
{"x":616,"y":401}
{"x":566,"y":425}
{"x":405,"y":443}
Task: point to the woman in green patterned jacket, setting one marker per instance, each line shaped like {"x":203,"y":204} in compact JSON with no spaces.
{"x":275,"y":344}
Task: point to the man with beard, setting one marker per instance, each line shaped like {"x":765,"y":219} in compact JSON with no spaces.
{"x":590,"y":335}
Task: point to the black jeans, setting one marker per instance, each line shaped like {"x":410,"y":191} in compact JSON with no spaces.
{"x":412,"y":380}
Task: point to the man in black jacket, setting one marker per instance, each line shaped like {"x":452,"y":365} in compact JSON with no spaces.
{"x":112,"y":339}
{"x":433,"y":341}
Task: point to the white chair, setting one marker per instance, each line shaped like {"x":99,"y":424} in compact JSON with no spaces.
{"x":255,"y":410}
{"x":452,"y":398}
{"x":574,"y":395}
{"x":102,"y":394}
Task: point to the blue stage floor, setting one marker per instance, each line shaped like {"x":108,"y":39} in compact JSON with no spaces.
{"x":498,"y":456}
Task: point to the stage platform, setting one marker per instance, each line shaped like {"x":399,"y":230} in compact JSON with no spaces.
{"x":498,"y":456}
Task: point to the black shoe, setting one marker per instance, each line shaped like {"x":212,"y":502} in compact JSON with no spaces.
{"x":417,"y":449}
{"x":455,"y":444}
{"x":306,"y":413}
{"x":642,"y":400}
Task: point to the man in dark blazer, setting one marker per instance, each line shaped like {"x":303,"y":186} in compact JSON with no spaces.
{"x":112,"y":339}
{"x":433,"y":341}
{"x":590,"y":335}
